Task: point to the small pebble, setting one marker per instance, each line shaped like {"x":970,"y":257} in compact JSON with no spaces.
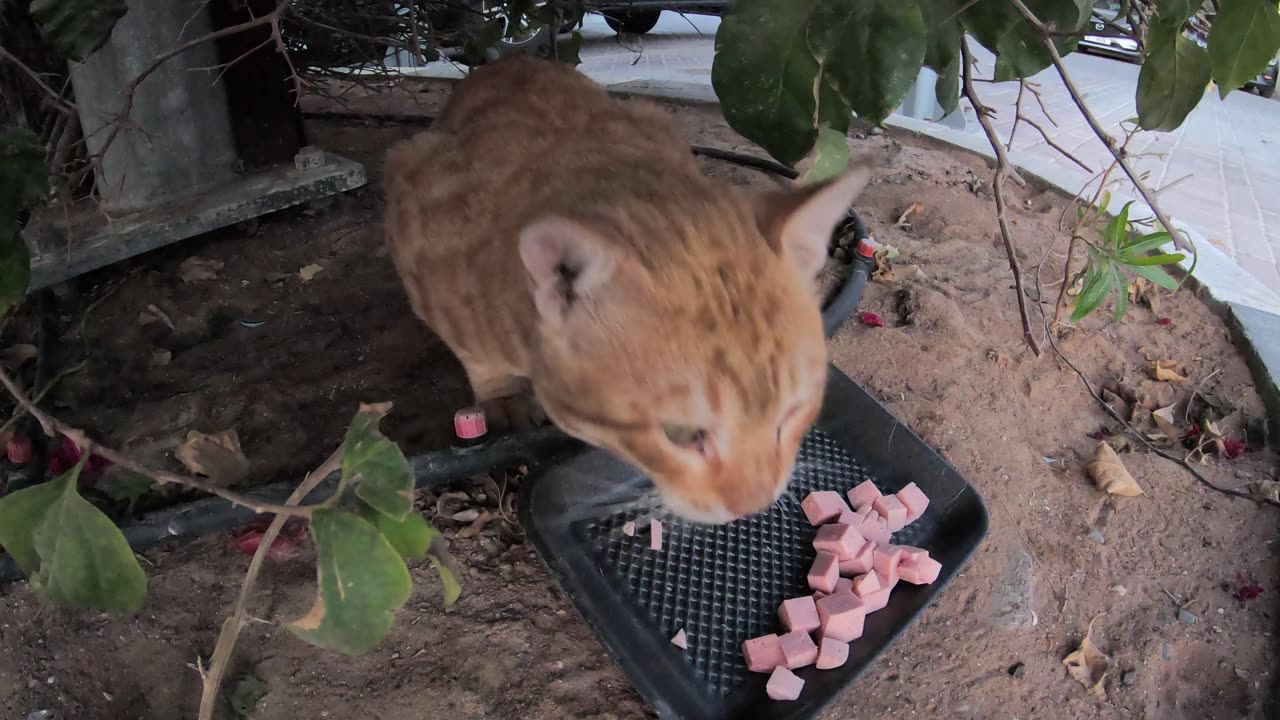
{"x":1130,"y":677}
{"x":1018,"y":670}
{"x":877,"y":130}
{"x":1096,"y":535}
{"x":1120,"y":590}
{"x":1167,"y":652}
{"x":1187,"y":616}
{"x":1242,"y":673}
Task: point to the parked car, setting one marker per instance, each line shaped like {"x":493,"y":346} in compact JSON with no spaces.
{"x":1265,"y":83}
{"x":640,"y":16}
{"x":1109,"y":34}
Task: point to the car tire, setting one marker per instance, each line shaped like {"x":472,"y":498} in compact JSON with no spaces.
{"x":634,"y":22}
{"x":537,"y":43}
{"x":1267,"y":92}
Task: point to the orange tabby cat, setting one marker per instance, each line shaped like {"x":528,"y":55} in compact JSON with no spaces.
{"x":565,"y":243}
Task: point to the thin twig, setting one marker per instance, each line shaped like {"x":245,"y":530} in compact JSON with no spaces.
{"x":1065,"y":153}
{"x":1017,"y":115}
{"x":1002,"y":171}
{"x":53,"y":427}
{"x":1035,"y":93}
{"x":1179,"y":240}
{"x":231,"y":627}
{"x":55,"y":97}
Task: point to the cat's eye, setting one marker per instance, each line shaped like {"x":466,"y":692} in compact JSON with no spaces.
{"x":686,"y":436}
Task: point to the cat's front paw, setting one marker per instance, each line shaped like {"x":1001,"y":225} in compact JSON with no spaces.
{"x":513,"y":413}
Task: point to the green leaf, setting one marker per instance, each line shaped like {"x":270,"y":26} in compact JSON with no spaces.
{"x":361,"y":583}
{"x":382,"y":475}
{"x":1244,"y":38}
{"x":442,"y":559}
{"x":77,"y":28}
{"x":1176,"y":12}
{"x":410,"y":535}
{"x":15,"y":267}
{"x":1117,"y":231}
{"x":123,"y":486}
{"x":1121,"y":288}
{"x":1148,"y":242}
{"x":570,"y":51}
{"x":764,"y":75}
{"x":74,"y":555}
{"x":831,"y":156}
{"x":1155,"y":275}
{"x":870,"y":50}
{"x":942,"y":49}
{"x":1172,"y":80}
{"x":1097,"y":283}
{"x":243,"y":698}
{"x":947,"y":88}
{"x":1000,"y":28}
{"x":1168,"y":259}
{"x":24,"y":174}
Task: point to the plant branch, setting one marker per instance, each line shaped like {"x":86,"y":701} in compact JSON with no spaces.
{"x":53,"y":427}
{"x":1002,"y":172}
{"x":1065,"y":153}
{"x":1147,"y":194}
{"x":239,"y":617}
{"x":54,"y":96}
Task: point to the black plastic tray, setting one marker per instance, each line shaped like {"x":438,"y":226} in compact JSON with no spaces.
{"x":723,"y":584}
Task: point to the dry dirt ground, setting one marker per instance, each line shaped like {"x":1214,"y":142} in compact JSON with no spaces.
{"x":950,"y":363}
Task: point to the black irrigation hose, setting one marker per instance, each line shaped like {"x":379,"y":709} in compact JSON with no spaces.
{"x":211,"y":514}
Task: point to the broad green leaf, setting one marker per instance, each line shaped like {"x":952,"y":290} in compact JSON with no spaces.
{"x":1148,"y":242}
{"x":1155,"y":275}
{"x":1176,"y":12}
{"x":74,"y":555}
{"x":764,"y":75}
{"x":410,"y":535}
{"x":1117,"y":231}
{"x":448,"y":568}
{"x":1244,"y":38}
{"x":1167,"y":259}
{"x":243,"y":698}
{"x":15,"y":267}
{"x":831,"y":156}
{"x":1097,"y":283}
{"x":361,"y":582}
{"x":1000,"y":28}
{"x":382,"y":475}
{"x":124,"y":486}
{"x":870,"y":50}
{"x":832,"y":110}
{"x":24,"y":174}
{"x":942,"y":51}
{"x":1121,"y":288}
{"x":77,"y":27}
{"x":570,"y":51}
{"x":1172,"y":80}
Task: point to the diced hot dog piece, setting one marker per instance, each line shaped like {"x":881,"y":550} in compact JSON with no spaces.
{"x":832,"y":653}
{"x":824,"y":573}
{"x":840,"y":540}
{"x":798,"y":649}
{"x":861,"y":562}
{"x":920,"y":571}
{"x":885,"y":559}
{"x":878,"y":599}
{"x":849,"y":517}
{"x":841,"y":615}
{"x":844,"y":584}
{"x":874,"y":528}
{"x":909,"y":554}
{"x":799,"y":613}
{"x":915,"y":501}
{"x":892,"y":510}
{"x":629,"y":529}
{"x":783,"y":685}
{"x":680,"y":640}
{"x":655,"y":535}
{"x":863,"y":494}
{"x":818,"y":595}
{"x":763,"y":653}
{"x":823,"y":506}
{"x":864,"y":585}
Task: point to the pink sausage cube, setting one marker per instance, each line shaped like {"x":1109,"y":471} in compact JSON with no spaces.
{"x":840,"y":540}
{"x":892,"y":510}
{"x":680,"y":640}
{"x":629,"y":529}
{"x":799,"y":613}
{"x":823,"y":506}
{"x":832,"y":653}
{"x":763,"y":653}
{"x":849,"y":517}
{"x":915,"y":501}
{"x":841,"y":616}
{"x":885,"y":559}
{"x":818,"y":595}
{"x":920,"y":571}
{"x":875,"y":528}
{"x":864,"y":585}
{"x":878,"y":599}
{"x":844,"y":584}
{"x":863,"y":494}
{"x":861,"y":563}
{"x":783,"y":685}
{"x":909,"y":554}
{"x":798,"y":650}
{"x":824,"y":573}
{"x":655,"y":535}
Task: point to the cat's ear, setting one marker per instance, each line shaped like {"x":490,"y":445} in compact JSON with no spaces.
{"x":798,"y":222}
{"x":565,"y":262}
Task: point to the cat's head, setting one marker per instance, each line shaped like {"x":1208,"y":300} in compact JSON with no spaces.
{"x":684,"y":334}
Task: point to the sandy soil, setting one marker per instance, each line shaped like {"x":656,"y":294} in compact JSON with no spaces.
{"x":950,"y":363}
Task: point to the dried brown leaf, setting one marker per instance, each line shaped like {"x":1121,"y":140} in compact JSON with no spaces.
{"x":216,"y":456}
{"x":1089,"y":665}
{"x":1163,"y":370}
{"x":310,"y":271}
{"x":1165,"y":422}
{"x":15,"y":356}
{"x":1265,"y":489}
{"x":912,"y":209}
{"x":155,"y":314}
{"x":1110,"y":474}
{"x":195,"y":268}
{"x":475,"y":527}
